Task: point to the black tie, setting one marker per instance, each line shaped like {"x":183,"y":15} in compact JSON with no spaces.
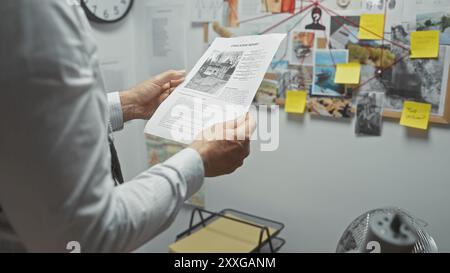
{"x":115,"y":165}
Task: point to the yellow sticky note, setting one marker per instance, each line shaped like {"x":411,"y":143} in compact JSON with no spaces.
{"x":295,"y":102}
{"x":349,"y":73}
{"x":371,"y":27}
{"x":425,"y":44}
{"x":416,"y":115}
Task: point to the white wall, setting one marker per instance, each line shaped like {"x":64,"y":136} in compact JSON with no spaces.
{"x":320,"y":178}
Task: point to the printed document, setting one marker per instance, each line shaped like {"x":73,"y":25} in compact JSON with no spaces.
{"x":220,"y":87}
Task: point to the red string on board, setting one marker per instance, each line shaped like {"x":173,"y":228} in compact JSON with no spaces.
{"x":258,"y":18}
{"x":333,"y":14}
{"x":381,"y":71}
{"x":287,"y":19}
{"x":329,"y":11}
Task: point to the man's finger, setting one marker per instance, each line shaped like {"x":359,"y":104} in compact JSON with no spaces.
{"x":176,"y":83}
{"x":231,"y":124}
{"x":171,"y":90}
{"x":168,"y":76}
{"x":250,"y":124}
{"x":245,"y":130}
{"x":165,"y":87}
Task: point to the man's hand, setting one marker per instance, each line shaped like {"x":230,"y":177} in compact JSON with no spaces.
{"x":141,"y":101}
{"x":224,"y":146}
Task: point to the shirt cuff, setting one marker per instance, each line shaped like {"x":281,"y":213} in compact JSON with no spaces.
{"x":190,"y":165}
{"x":115,"y":111}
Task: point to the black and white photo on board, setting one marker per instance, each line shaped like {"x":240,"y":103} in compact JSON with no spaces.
{"x":369,"y":111}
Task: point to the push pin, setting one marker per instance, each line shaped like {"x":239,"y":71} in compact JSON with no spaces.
{"x":379,"y":73}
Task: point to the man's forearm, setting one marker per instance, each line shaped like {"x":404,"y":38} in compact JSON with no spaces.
{"x":128,"y":102}
{"x":122,"y":108}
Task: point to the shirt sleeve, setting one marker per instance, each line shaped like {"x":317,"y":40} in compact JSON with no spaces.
{"x":56,"y":184}
{"x":115,"y":111}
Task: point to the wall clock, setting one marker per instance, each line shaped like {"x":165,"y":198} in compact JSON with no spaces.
{"x":108,"y":11}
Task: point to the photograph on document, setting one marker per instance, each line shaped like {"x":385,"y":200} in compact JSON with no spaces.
{"x":436,"y":21}
{"x":217,"y":70}
{"x":302,"y":51}
{"x":330,"y":107}
{"x":369,"y":110}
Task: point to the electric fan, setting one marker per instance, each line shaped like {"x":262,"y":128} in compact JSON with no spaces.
{"x":386,"y":230}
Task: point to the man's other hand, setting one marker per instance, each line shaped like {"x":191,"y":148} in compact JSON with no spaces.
{"x":141,"y":101}
{"x":224,"y":146}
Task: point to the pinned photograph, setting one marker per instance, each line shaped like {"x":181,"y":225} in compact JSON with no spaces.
{"x":231,"y":11}
{"x":324,"y":84}
{"x":376,"y":5}
{"x":288,"y":6}
{"x":374,"y":58}
{"x":297,"y":77}
{"x":317,"y":22}
{"x":273,"y":6}
{"x":373,"y":55}
{"x":330,"y":107}
{"x":267,"y":93}
{"x":394,"y":10}
{"x":344,"y":31}
{"x":330,"y":57}
{"x":302,"y":52}
{"x":369,"y":110}
{"x":421,"y":80}
{"x":214,"y":74}
{"x":325,"y":72}
{"x":436,"y":21}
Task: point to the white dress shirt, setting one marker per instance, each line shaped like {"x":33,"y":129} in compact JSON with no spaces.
{"x":55,"y":174}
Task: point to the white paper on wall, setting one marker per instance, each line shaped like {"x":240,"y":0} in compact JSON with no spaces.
{"x":203,"y":11}
{"x":166,"y":36}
